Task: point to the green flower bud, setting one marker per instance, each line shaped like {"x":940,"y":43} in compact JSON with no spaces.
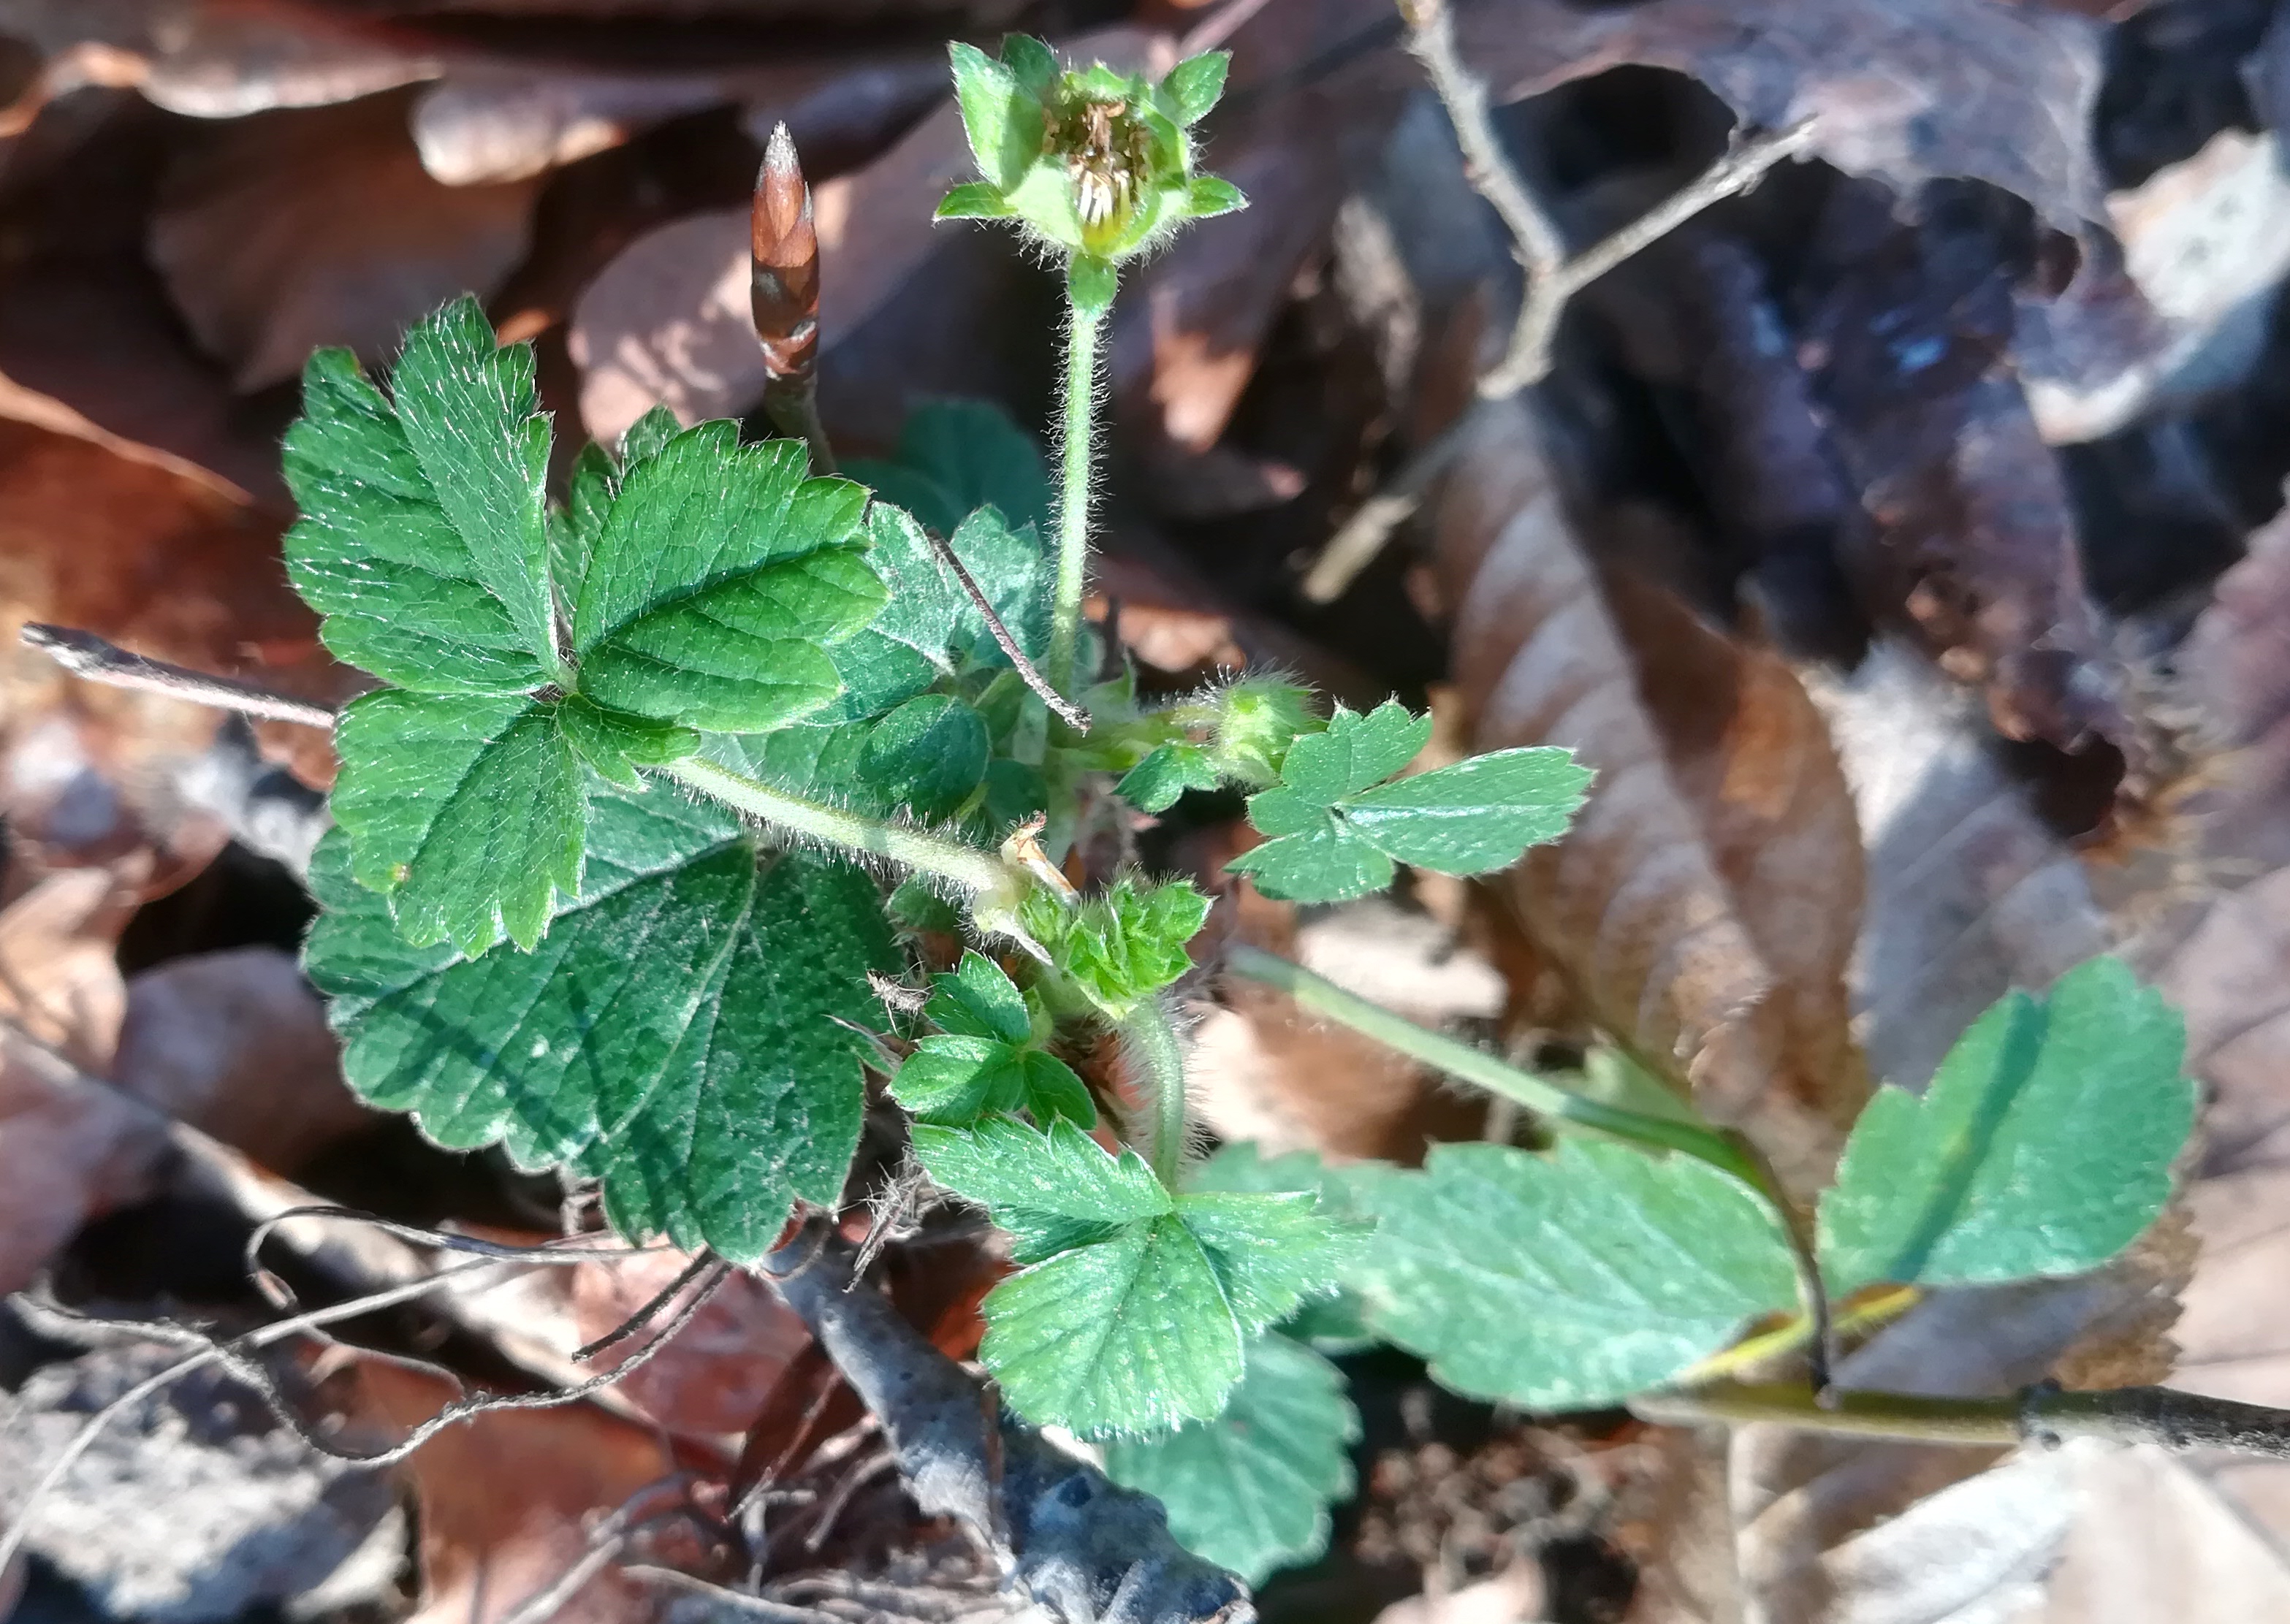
{"x":1096,"y":164}
{"x":1258,"y":718}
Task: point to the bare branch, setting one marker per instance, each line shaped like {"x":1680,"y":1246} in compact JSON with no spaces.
{"x":1553,"y":276}
{"x":85,"y":654}
{"x":2046,"y":1413}
{"x":1074,"y":1540}
{"x":1071,"y":713}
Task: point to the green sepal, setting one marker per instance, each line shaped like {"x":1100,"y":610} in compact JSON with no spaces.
{"x":1196,"y":84}
{"x":1001,"y":118}
{"x":973,"y":200}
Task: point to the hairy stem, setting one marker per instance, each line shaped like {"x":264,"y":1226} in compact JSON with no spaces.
{"x":1150,"y":1039}
{"x":1078,"y":455}
{"x":1324,"y":997}
{"x":965,"y":866}
{"x":2041,"y":1414}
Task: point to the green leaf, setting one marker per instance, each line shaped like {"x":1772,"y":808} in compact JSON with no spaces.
{"x":467,"y":809}
{"x":1336,"y":828}
{"x":721,"y":577}
{"x":648,"y":437}
{"x":2043,"y":1146}
{"x":929,"y":754}
{"x":1121,"y":947}
{"x":674,"y":1035}
{"x":976,"y":999}
{"x":1332,"y":1324}
{"x":572,"y":533}
{"x":957,"y":456}
{"x":1157,"y":783}
{"x":953,"y":1081}
{"x":973,"y":200}
{"x":1134,"y":1306}
{"x":1195,"y":84}
{"x":1035,"y":64}
{"x":1250,"y":1490}
{"x":1002,"y":120}
{"x":1566,"y":1280}
{"x":616,"y":744}
{"x":403,"y":594}
{"x":1210,"y":195}
{"x":473,"y":421}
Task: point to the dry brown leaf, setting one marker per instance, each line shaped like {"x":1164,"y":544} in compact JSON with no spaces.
{"x":1905,"y":91}
{"x":236,"y":1045}
{"x":171,"y":563}
{"x":1974,"y":543}
{"x":1191,"y":320}
{"x":714,"y":1378}
{"x":506,"y":1502}
{"x":290,"y":230}
{"x":1705,"y":903}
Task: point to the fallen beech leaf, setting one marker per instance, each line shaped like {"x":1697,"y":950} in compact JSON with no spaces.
{"x":236,"y":1045}
{"x":290,"y":230}
{"x":1973,"y":544}
{"x":142,"y":550}
{"x":507,"y":1502}
{"x":715,"y":1377}
{"x":1905,"y":91}
{"x":1706,"y":901}
{"x":69,"y":1147}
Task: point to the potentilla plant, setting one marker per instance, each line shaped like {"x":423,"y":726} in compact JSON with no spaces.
{"x":663,"y":778}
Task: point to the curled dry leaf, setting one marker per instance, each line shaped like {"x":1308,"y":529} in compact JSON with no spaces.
{"x":295,"y":230}
{"x":1705,"y":903}
{"x":1905,"y":91}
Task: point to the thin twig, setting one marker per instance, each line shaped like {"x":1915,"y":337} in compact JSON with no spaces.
{"x":1070,"y":712}
{"x":2045,"y":1413}
{"x":1553,"y":276}
{"x":85,"y":654}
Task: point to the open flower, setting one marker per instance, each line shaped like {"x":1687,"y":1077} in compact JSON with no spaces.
{"x":1095,"y":163}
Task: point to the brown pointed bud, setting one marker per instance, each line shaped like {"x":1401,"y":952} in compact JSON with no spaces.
{"x":784,"y":289}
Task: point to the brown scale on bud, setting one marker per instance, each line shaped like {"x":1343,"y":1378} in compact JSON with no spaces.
{"x":783,"y":289}
{"x":783,"y":295}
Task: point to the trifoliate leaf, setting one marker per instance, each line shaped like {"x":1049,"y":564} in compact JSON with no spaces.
{"x":976,"y":999}
{"x":1157,"y":783}
{"x":1121,"y":947}
{"x":953,"y":1081}
{"x":721,"y":577}
{"x":1250,"y":1490}
{"x":675,"y":1035}
{"x":1134,"y":1306}
{"x":954,"y":457}
{"x":1195,"y":84}
{"x":467,"y":809}
{"x":405,"y":592}
{"x":1570,"y":1279}
{"x":1336,"y":828}
{"x":2043,"y":1146}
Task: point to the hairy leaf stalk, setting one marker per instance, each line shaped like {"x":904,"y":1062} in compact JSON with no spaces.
{"x":1150,"y":1039}
{"x":1077,"y":456}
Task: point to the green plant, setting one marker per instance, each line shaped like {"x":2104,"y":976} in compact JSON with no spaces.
{"x":659,"y":774}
